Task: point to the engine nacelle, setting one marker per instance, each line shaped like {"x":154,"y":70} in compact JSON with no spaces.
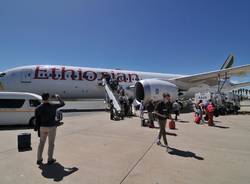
{"x":153,"y":89}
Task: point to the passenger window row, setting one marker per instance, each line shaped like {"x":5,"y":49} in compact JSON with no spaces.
{"x":68,"y":76}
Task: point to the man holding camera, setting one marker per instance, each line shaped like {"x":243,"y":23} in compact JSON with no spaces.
{"x":45,"y":124}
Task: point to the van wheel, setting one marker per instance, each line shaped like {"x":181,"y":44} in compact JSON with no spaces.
{"x":32,"y":122}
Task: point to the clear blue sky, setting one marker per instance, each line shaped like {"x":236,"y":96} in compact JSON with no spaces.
{"x":172,"y":36}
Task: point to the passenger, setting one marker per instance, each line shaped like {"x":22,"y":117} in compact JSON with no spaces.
{"x":163,"y":112}
{"x":126,"y":105}
{"x":141,"y":109}
{"x":108,"y":78}
{"x":199,"y":110}
{"x":176,"y":109}
{"x":46,"y":124}
{"x":103,"y":82}
{"x":210,"y":112}
{"x":122,"y":101}
{"x":119,"y":89}
{"x":116,"y":84}
{"x":150,"y":109}
{"x":112,"y":84}
{"x":111,"y":110}
{"x":130,"y":101}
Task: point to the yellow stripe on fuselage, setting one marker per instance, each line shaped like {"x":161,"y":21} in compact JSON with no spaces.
{"x":15,"y":110}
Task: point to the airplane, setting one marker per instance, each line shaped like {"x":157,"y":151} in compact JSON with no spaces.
{"x":81,"y":82}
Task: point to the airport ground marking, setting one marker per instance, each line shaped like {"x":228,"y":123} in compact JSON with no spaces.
{"x":137,"y":163}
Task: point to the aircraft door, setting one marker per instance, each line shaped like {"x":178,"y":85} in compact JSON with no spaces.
{"x":99,"y":78}
{"x":26,"y":76}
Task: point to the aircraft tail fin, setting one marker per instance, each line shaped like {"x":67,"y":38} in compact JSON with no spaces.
{"x":228,"y":63}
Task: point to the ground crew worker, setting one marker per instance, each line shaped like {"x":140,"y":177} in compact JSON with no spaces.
{"x":45,"y":122}
{"x":163,"y":110}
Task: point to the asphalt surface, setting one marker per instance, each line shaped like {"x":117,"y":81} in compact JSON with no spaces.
{"x":84,"y":105}
{"x":92,"y":149}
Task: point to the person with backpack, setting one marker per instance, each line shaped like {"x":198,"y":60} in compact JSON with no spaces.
{"x":210,"y":108}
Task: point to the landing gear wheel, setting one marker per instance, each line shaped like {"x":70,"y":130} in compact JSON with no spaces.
{"x":32,"y":122}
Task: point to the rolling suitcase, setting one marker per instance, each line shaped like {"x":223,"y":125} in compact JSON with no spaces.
{"x":171,"y":124}
{"x":142,"y":122}
{"x":24,"y":142}
{"x":197,"y":119}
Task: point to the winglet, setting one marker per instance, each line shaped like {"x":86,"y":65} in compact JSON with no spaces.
{"x":228,"y":63}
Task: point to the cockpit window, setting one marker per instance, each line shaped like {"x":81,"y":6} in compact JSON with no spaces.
{"x":2,"y":74}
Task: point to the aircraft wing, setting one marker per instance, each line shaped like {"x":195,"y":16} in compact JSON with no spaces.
{"x":209,"y":78}
{"x":239,"y":85}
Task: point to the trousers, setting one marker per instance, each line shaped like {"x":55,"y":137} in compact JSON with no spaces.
{"x":44,"y":133}
{"x":162,"y":132}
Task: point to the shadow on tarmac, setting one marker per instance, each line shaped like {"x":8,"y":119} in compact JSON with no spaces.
{"x":182,"y":153}
{"x":21,"y":127}
{"x":14,"y":127}
{"x":217,"y":121}
{"x":218,"y":126}
{"x":171,"y":134}
{"x":182,"y":121}
{"x":56,"y":171}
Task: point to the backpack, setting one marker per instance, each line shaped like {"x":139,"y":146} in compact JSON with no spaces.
{"x":210,"y":108}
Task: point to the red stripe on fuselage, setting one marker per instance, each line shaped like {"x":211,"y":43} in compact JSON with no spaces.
{"x":62,"y":73}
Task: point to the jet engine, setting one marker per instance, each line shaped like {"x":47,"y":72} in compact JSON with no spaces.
{"x":153,"y":89}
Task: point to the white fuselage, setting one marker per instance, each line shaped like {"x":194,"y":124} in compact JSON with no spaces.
{"x":68,"y":81}
{"x":77,"y":82}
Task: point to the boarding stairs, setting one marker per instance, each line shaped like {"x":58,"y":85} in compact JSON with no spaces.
{"x":112,"y":96}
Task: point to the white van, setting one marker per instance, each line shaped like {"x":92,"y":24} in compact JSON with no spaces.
{"x":17,"y":108}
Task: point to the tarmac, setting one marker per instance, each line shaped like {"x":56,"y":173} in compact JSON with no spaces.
{"x":92,"y":149}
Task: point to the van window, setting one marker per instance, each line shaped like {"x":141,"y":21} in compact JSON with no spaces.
{"x":34,"y":103}
{"x":11,"y":103}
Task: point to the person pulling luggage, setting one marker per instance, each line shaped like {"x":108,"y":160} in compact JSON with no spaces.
{"x":163,"y":112}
